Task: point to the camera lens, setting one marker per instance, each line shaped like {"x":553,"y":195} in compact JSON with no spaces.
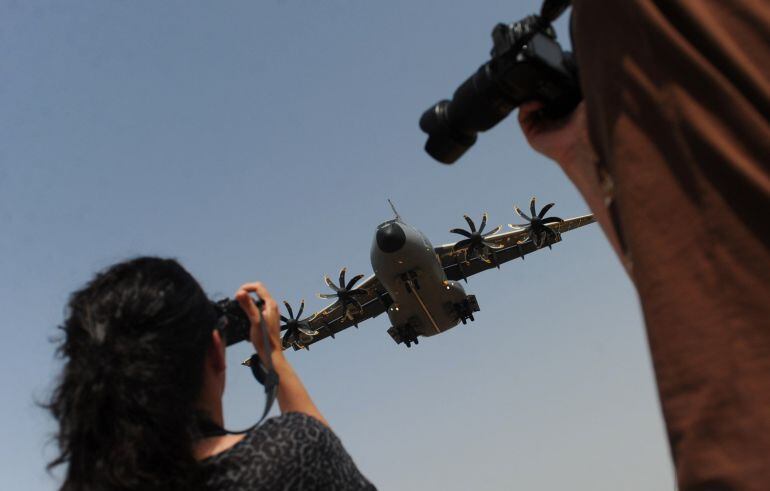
{"x":477,"y":105}
{"x":444,"y":143}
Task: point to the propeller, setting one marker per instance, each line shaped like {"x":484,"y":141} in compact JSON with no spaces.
{"x":345,"y":293}
{"x":539,"y":232}
{"x":294,"y":326}
{"x":476,"y":240}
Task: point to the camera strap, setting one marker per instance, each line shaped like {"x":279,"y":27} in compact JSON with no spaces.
{"x":552,"y":9}
{"x":265,"y":375}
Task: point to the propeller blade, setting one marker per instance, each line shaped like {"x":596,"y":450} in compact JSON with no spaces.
{"x":517,"y":227}
{"x":460,"y":231}
{"x":288,"y":340}
{"x":470,"y":223}
{"x":358,"y":291}
{"x":532,"y":207}
{"x":461,"y":243}
{"x":483,"y":222}
{"x":288,"y":309}
{"x":477,"y":247}
{"x":492,"y":245}
{"x":353,"y":281}
{"x":284,"y":319}
{"x":552,"y":220}
{"x":327,"y":295}
{"x":494,"y":231}
{"x":307,"y":331}
{"x":545,"y":210}
{"x":331,"y":284}
{"x":521,"y":213}
{"x":301,"y":308}
{"x":342,"y":277}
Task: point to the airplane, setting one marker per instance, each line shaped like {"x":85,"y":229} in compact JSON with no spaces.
{"x":418,"y":285}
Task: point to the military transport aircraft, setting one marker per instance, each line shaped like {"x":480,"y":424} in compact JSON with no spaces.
{"x":418,"y":284}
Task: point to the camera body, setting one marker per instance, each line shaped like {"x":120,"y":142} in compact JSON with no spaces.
{"x":527,"y":63}
{"x":233,"y":321}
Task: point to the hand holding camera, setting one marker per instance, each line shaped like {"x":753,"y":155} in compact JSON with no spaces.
{"x":527,"y":64}
{"x":564,"y":140}
{"x":264,"y":307}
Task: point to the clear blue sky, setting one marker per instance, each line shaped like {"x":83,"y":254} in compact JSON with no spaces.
{"x":260,"y":140}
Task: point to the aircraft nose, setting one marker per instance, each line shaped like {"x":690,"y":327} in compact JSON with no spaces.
{"x":390,"y":237}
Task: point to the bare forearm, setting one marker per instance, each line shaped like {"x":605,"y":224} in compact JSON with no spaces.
{"x":292,"y":395}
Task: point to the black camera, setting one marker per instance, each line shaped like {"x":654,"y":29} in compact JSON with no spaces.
{"x":233,"y":321}
{"x":527,"y":64}
{"x":235,"y":325}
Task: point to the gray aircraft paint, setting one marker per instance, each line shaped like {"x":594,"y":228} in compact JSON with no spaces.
{"x":415,"y":280}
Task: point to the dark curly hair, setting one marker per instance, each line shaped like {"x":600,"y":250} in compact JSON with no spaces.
{"x":134,"y":345}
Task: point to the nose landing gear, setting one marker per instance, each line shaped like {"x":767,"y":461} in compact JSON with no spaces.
{"x":411,"y":281}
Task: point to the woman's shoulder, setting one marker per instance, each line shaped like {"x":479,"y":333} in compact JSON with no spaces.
{"x":298,"y":427}
{"x":291,"y":429}
{"x":286,"y":452}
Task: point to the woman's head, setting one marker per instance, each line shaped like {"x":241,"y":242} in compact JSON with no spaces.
{"x":135,"y":343}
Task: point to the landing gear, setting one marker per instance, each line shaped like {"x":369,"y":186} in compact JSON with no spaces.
{"x":404,"y":334}
{"x":466,"y":308}
{"x":413,"y":340}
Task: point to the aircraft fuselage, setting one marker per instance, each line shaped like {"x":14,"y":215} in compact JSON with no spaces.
{"x":425,"y":303}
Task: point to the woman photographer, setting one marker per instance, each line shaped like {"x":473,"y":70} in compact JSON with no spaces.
{"x":145,"y":366}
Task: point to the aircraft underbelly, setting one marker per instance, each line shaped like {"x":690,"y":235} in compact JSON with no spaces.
{"x":422,"y":296}
{"x":427,"y":309}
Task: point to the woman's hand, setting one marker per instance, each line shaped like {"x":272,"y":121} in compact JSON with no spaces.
{"x":270,"y":313}
{"x":292,"y":395}
{"x":564,"y":140}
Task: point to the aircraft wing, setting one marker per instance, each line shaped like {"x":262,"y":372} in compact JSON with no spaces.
{"x":515,"y":244}
{"x":334,"y":318}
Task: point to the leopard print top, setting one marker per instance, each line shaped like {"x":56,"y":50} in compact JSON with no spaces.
{"x":292,"y":451}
